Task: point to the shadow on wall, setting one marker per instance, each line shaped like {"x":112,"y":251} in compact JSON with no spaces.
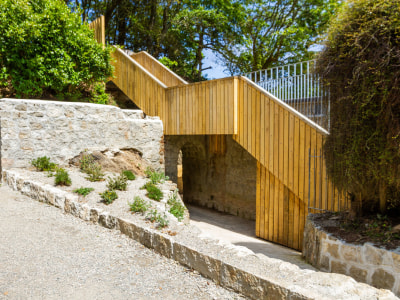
{"x":192,"y":168}
{"x":214,"y":172}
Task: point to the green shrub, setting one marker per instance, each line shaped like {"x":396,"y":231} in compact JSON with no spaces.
{"x":139,"y":205}
{"x":108,"y":196}
{"x":153,"y":192}
{"x":84,"y":191}
{"x":47,"y":51}
{"x":360,"y":65}
{"x":88,"y":165}
{"x":86,"y":161}
{"x":129,"y":175}
{"x":119,"y":182}
{"x":155,"y":177}
{"x":94,"y":172}
{"x":62,"y":177}
{"x":43,"y":164}
{"x":154,"y":216}
{"x":176,"y":208}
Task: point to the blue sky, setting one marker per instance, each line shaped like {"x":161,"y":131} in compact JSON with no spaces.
{"x":217,"y":70}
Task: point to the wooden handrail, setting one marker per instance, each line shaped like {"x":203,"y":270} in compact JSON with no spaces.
{"x":156,"y":68}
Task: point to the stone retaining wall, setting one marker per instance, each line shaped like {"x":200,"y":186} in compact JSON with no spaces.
{"x":365,"y":263}
{"x":61,"y":130}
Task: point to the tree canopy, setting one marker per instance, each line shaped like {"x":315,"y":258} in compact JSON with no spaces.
{"x":360,"y":65}
{"x":245,"y":35}
{"x":46,"y":51}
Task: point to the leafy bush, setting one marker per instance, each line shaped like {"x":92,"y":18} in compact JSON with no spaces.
{"x":139,"y":205}
{"x":47,"y":51}
{"x":94,"y":173}
{"x":62,"y":177}
{"x":117,"y":183}
{"x":43,"y":164}
{"x":86,"y":161}
{"x":360,"y":67}
{"x":90,"y":167}
{"x":108,"y":196}
{"x":129,"y":175}
{"x":155,"y":177}
{"x":154,"y":216}
{"x":176,"y":208}
{"x":84,"y":191}
{"x":153,"y":192}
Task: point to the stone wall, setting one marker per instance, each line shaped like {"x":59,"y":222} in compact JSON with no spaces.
{"x":365,"y":263}
{"x":61,"y":130}
{"x":217,"y":173}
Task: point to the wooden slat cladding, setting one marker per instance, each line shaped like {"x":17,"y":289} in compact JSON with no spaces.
{"x":99,"y":30}
{"x":206,"y":107}
{"x":291,"y":173}
{"x":157,"y":69}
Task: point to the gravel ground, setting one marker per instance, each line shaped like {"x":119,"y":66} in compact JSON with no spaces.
{"x":45,"y":254}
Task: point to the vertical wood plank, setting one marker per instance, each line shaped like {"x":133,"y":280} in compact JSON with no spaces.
{"x":261,"y":146}
{"x":281,"y":168}
{"x":236,"y":92}
{"x":258,"y":199}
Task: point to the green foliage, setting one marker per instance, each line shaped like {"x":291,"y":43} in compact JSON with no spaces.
{"x":84,"y":191}
{"x":119,"y":182}
{"x":99,"y":95}
{"x":46,"y":51}
{"x":153,"y":192}
{"x":94,"y":173}
{"x":245,"y":35}
{"x":129,"y":175}
{"x":108,"y":196}
{"x":176,"y":208}
{"x":277,"y":32}
{"x":155,"y":177}
{"x":154,"y":216}
{"x":139,"y":205}
{"x":86,"y":160}
{"x":43,"y":164}
{"x":62,"y":177}
{"x":360,"y":67}
{"x":91,"y":168}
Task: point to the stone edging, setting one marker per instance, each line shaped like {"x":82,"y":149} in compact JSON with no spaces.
{"x":365,"y":263}
{"x":257,"y":278}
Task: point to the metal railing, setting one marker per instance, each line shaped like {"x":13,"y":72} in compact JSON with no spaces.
{"x":298,"y":86}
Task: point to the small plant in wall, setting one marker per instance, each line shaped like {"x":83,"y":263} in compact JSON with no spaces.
{"x":91,"y":168}
{"x":43,"y":164}
{"x":154,"y":217}
{"x":153,"y":192}
{"x":84,"y":191}
{"x":129,"y":175}
{"x":108,"y":196}
{"x":176,"y":208}
{"x":62,"y":177}
{"x":119,"y":182}
{"x":139,"y":205}
{"x":155,"y":177}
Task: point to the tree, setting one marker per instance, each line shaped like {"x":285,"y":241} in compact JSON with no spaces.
{"x":46,"y":51}
{"x":360,"y":65}
{"x":277,"y":32}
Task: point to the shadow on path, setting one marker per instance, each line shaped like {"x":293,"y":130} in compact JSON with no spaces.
{"x":241,"y":232}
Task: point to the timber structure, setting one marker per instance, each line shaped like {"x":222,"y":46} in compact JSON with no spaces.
{"x":291,"y":180}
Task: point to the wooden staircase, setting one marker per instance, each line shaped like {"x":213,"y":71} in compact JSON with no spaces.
{"x":291,"y":172}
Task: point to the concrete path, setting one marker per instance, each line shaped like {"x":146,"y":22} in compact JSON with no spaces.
{"x":240,"y":232}
{"x":45,"y":254}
